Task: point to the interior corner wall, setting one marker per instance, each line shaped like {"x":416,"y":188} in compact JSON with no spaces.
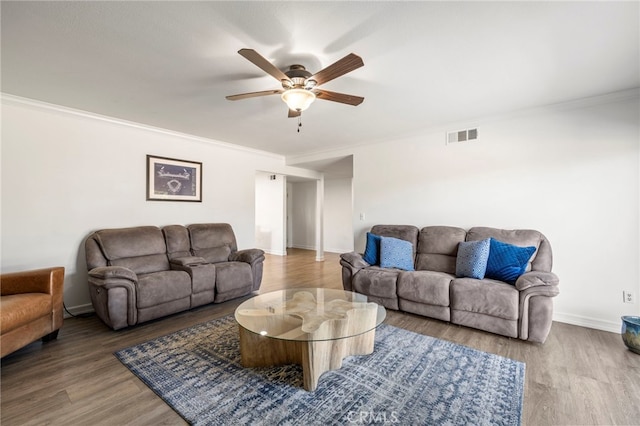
{"x":338,"y":208}
{"x":270,"y":208}
{"x":66,"y":174}
{"x":571,"y":173}
{"x":303,"y":215}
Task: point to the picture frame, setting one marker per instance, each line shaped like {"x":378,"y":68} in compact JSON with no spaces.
{"x":170,"y":179}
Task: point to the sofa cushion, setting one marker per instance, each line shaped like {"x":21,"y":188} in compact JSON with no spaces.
{"x":441,"y":239}
{"x":396,"y":253}
{"x":162,"y":287}
{"x":507,"y":262}
{"x":208,"y":235}
{"x":401,"y":232}
{"x":472,"y":259}
{"x":144,"y":264}
{"x":214,"y":254}
{"x":437,"y":248}
{"x":141,"y":249}
{"x":231,"y":276}
{"x":486,"y":296}
{"x":212,"y":241}
{"x":372,"y":249}
{"x":131,"y":242}
{"x":376,"y":281}
{"x":425,"y":287}
{"x":177,"y":240}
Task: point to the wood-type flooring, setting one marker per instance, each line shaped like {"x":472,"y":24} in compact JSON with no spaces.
{"x":580,"y":376}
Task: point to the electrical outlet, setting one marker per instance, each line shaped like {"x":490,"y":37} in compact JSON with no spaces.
{"x":627,"y":297}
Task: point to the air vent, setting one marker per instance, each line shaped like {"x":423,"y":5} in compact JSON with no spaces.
{"x":462,"y":135}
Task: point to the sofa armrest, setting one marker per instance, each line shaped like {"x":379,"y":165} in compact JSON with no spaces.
{"x":353,"y":260}
{"x":113,"y":292}
{"x":107,"y":272}
{"x":188,"y":261}
{"x":538,"y":279}
{"x":536,"y":304}
{"x":46,"y":280}
{"x":247,"y":255}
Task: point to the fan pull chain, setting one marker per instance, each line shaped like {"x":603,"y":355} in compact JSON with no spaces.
{"x":299,"y":122}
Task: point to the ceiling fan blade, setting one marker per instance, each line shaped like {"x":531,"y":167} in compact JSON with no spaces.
{"x":338,"y":97}
{"x":253,"y":94}
{"x":294,"y":114}
{"x":337,"y":69}
{"x":266,"y":66}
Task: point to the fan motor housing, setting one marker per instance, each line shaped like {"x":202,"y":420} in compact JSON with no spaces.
{"x":297,"y":71}
{"x":299,"y":77}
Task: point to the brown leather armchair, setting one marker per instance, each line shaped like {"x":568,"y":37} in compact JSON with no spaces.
{"x":30,"y":307}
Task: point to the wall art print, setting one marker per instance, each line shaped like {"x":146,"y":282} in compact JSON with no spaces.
{"x":169,"y":179}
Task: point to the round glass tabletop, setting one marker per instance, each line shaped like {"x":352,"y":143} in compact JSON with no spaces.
{"x":309,"y":314}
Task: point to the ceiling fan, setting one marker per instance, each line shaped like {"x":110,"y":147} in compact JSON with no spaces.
{"x":299,"y":86}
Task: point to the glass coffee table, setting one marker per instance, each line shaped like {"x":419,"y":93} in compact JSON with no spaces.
{"x":313,"y":327}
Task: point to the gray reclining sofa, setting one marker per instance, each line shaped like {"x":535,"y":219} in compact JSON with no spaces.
{"x":143,"y":273}
{"x":522,"y":309}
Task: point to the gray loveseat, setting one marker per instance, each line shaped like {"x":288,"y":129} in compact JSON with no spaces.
{"x":522,"y":310}
{"x":143,"y":273}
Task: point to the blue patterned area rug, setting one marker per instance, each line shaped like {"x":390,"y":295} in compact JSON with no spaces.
{"x":410,"y":379}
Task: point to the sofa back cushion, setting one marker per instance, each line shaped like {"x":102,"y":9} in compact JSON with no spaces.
{"x":402,"y":232}
{"x":212,"y":241}
{"x":542,"y":258}
{"x":438,"y":248}
{"x":141,"y":249}
{"x":177,"y":240}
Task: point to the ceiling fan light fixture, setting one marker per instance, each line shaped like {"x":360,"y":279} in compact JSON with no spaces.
{"x":298,"y":99}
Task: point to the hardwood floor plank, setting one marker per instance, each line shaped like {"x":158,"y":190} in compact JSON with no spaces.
{"x":545,"y":405}
{"x":579,"y":376}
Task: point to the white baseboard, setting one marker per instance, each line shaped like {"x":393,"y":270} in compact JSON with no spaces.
{"x":598,"y":324}
{"x":327,"y":249}
{"x":78,"y":310}
{"x":299,"y":246}
{"x":276,"y":252}
{"x":337,"y":250}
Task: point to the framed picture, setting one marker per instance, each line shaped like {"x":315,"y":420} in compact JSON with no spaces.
{"x":169,"y":179}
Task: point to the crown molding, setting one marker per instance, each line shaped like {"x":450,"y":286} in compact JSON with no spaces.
{"x":33,"y":103}
{"x":618,"y":96}
{"x":612,"y":97}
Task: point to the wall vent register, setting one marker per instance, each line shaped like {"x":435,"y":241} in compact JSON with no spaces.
{"x":462,"y":135}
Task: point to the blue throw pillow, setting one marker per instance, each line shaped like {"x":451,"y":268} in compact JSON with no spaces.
{"x":372,"y":250}
{"x":396,"y":253}
{"x":472,"y":259}
{"x":506,"y":261}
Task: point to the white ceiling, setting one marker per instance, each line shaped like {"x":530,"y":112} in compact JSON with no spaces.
{"x":427,"y":64}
